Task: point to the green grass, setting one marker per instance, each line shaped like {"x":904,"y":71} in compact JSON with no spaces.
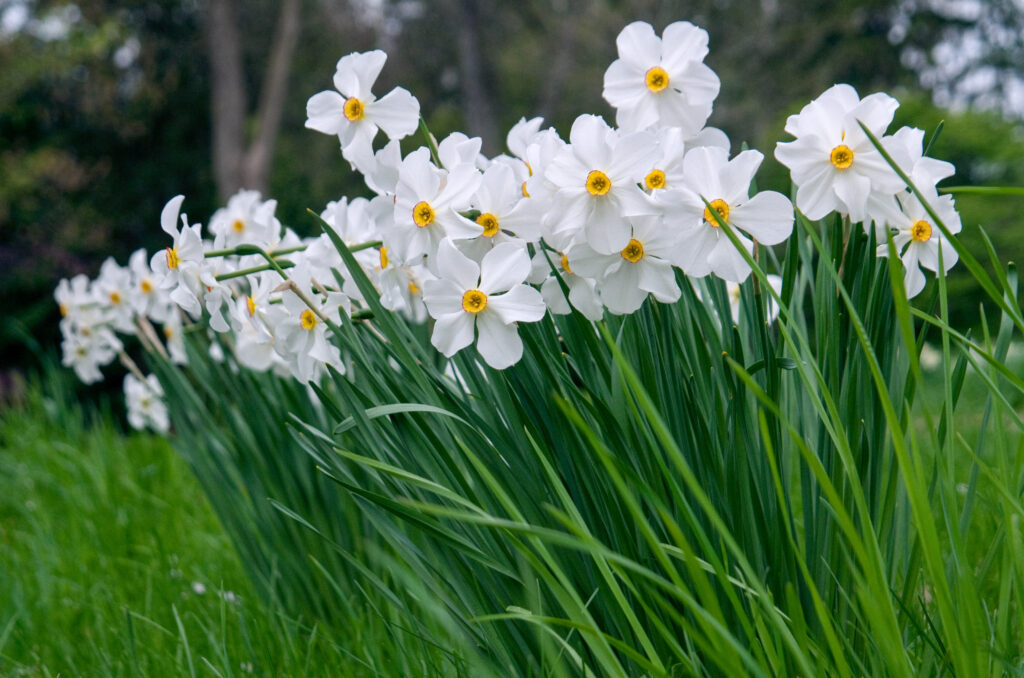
{"x":113,"y":563}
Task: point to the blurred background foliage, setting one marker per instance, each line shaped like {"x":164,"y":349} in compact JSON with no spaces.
{"x":108,"y":108}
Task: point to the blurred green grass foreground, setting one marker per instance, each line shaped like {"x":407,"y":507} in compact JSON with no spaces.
{"x":113,"y":563}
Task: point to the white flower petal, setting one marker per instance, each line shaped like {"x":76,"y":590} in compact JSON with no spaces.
{"x":457,"y":267}
{"x":325,"y":112}
{"x":169,"y":215}
{"x":505,"y":265}
{"x":499,"y":344}
{"x":639,"y":45}
{"x":453,"y":332}
{"x":768,"y":216}
{"x":727,"y":263}
{"x":397,"y":113}
{"x":356,"y":72}
{"x":520,"y":304}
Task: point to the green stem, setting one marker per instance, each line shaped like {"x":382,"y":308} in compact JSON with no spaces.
{"x":255,"y":269}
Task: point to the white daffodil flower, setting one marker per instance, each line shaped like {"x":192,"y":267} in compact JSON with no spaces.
{"x":301,"y":336}
{"x":145,"y":401}
{"x":488,"y":297}
{"x":426,"y":201}
{"x":597,"y":176}
{"x":401,"y":287}
{"x":180,"y":268}
{"x":919,"y":240}
{"x":582,"y":291}
{"x":644,"y":266}
{"x":247,"y":219}
{"x":355,"y":114}
{"x":145,"y":296}
{"x":72,"y":296}
{"x":496,"y":199}
{"x":833,"y":162}
{"x":661,"y":82}
{"x":87,"y":348}
{"x":113,"y":289}
{"x":711,"y":178}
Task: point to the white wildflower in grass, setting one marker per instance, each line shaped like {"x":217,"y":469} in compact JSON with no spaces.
{"x":179,"y":268}
{"x":661,"y":82}
{"x":644,"y":266}
{"x":247,"y":219}
{"x":597,"y":176}
{"x":834,"y":165}
{"x":489,"y":298}
{"x":355,"y":114}
{"x":145,"y":402}
{"x":711,"y":178}
{"x":582,"y":291}
{"x":918,"y":240}
{"x":426,"y":204}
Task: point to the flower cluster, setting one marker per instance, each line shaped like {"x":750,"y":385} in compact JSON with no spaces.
{"x":836,"y":167}
{"x":592,"y":224}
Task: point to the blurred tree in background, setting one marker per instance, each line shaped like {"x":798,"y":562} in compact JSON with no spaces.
{"x":109,"y":108}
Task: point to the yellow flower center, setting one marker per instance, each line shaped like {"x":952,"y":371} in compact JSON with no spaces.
{"x":413,"y":288}
{"x":474,"y":301}
{"x":921,"y":231}
{"x":633,"y":251}
{"x":489,"y":222}
{"x":528,"y":168}
{"x":598,"y":183}
{"x":308,"y":320}
{"x":354,"y":109}
{"x":656,"y":79}
{"x":526,"y":194}
{"x":115,"y":298}
{"x":655,"y":180}
{"x":168,"y":332}
{"x":383,"y":258}
{"x":423,"y":214}
{"x":250,"y":304}
{"x":63,"y":310}
{"x":841,"y":157}
{"x":238,"y":225}
{"x":172,"y":258}
{"x":146,"y":286}
{"x":565,"y":264}
{"x":721,"y":207}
